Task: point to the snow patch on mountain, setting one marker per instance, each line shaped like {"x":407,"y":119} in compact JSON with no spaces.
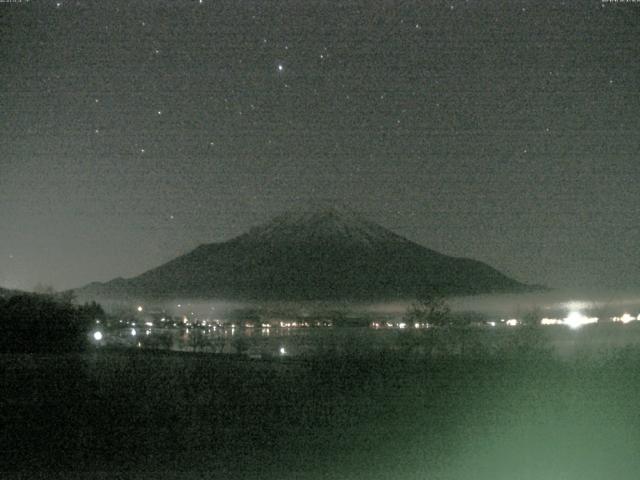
{"x":332,"y":225}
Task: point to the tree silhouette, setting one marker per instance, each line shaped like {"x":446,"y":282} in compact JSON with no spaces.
{"x":430,"y":307}
{"x":44,"y":323}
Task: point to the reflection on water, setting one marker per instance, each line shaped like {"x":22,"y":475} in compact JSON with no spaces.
{"x":569,"y":322}
{"x":578,"y":335}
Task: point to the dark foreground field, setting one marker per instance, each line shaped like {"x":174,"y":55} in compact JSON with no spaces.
{"x":144,"y":415}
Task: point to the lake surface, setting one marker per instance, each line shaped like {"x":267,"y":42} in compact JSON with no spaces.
{"x":171,"y":415}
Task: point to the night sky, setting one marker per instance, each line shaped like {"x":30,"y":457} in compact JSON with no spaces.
{"x":133,"y":131}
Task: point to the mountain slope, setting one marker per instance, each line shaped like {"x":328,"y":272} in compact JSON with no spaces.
{"x":311,"y":255}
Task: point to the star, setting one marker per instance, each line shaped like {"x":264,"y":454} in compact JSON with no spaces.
{"x":142,"y":150}
{"x":280,"y":67}
{"x":159,"y":112}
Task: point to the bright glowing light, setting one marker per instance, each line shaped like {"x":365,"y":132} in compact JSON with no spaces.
{"x":149,"y":324}
{"x":133,"y":332}
{"x":512,"y":322}
{"x":402,"y":325}
{"x":280,"y":67}
{"x":97,"y":336}
{"x":491,"y":324}
{"x":626,"y":318}
{"x":283,"y":351}
{"x":139,"y":308}
{"x":551,"y":321}
{"x":576,"y":320}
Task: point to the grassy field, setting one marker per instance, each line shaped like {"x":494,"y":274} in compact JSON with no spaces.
{"x":110,"y":414}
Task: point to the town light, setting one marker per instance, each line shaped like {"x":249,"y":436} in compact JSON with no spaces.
{"x":576,"y":320}
{"x":626,"y":318}
{"x":97,"y":336}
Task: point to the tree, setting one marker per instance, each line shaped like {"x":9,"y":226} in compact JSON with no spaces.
{"x":430,"y":307}
{"x":217,"y":344}
{"x":241,"y":345}
{"x":44,"y":289}
{"x":532,"y":317}
{"x":198,"y":339}
{"x":92,"y":311}
{"x":43,"y":323}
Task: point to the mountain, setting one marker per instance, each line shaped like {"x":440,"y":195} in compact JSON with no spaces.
{"x":328,"y":254}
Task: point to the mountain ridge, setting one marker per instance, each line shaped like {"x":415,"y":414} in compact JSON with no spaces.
{"x":326,"y":254}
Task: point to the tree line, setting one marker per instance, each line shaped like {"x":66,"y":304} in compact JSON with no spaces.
{"x":39,"y":323}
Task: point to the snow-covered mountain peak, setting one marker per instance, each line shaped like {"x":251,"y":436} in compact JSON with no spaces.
{"x":332,"y":224}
